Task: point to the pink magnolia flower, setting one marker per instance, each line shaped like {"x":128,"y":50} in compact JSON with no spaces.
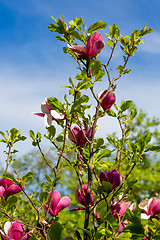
{"x":57,"y":204}
{"x":94,"y":45}
{"x":120,"y":208}
{"x":78,"y":137}
{"x":80,"y":195}
{"x":108,"y":101}
{"x":114,"y":177}
{"x":8,"y":188}
{"x":15,"y":231}
{"x":150,"y":207}
{"x":49,"y":114}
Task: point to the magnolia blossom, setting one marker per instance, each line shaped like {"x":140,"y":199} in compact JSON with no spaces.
{"x":150,"y":207}
{"x":114,"y":177}
{"x":8,"y":188}
{"x":119,"y":210}
{"x":77,"y":135}
{"x":57,"y":204}
{"x":80,"y":195}
{"x":108,"y":101}
{"x":49,"y":114}
{"x":15,"y":231}
{"x":94,"y":45}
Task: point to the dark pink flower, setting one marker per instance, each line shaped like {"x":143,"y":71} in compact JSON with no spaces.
{"x":57,"y":204}
{"x":77,"y":136}
{"x":150,"y":207}
{"x":15,"y":230}
{"x":8,"y":188}
{"x":114,"y":177}
{"x":108,"y":101}
{"x":81,"y":194}
{"x":94,"y":45}
{"x":49,"y":114}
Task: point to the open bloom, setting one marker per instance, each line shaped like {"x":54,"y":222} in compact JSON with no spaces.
{"x":120,"y":208}
{"x":57,"y":204}
{"x":48,"y":113}
{"x":8,"y":188}
{"x":150,"y":207}
{"x":114,"y":177}
{"x":108,"y":101}
{"x":15,"y":230}
{"x":77,"y":135}
{"x":94,"y":45}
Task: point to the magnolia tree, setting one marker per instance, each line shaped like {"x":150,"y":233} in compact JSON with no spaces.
{"x":102,"y":173}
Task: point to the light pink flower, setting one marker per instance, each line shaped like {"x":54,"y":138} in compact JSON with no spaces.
{"x":78,"y":137}
{"x":8,"y":188}
{"x":114,"y":177}
{"x":15,"y":230}
{"x":108,"y":101}
{"x":150,"y":207}
{"x":49,"y":114}
{"x":94,"y":45}
{"x":57,"y":204}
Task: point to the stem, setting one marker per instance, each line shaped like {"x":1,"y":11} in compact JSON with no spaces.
{"x":8,"y":154}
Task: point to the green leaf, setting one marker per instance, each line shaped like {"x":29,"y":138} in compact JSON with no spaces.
{"x":76,"y":35}
{"x":111,"y":113}
{"x":59,"y":138}
{"x":67,"y":50}
{"x":114,"y":31}
{"x":99,"y":143}
{"x":133,"y":114}
{"x":62,"y":39}
{"x":125,"y":105}
{"x":9,"y":176}
{"x":55,"y":104}
{"x":153,"y":148}
{"x":32,"y":134}
{"x":96,"y":26}
{"x":51,"y":131}
{"x":3,"y":135}
{"x":27,"y":177}
{"x":55,"y":231}
{"x":11,"y":200}
{"x":48,"y":178}
{"x":43,"y":197}
{"x":107,"y":186}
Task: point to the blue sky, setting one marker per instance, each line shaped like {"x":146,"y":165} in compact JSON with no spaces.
{"x":33,"y":66}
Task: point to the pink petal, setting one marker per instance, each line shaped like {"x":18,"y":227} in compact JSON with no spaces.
{"x":63,"y":203}
{"x":27,"y":236}
{"x":152,"y":204}
{"x":48,"y":120}
{"x":16,"y":231}
{"x":2,"y":190}
{"x":103,"y":176}
{"x":49,"y":108}
{"x":3,"y":183}
{"x":13,"y":189}
{"x":80,"y":50}
{"x":44,"y":108}
{"x":156,"y":208}
{"x":57,"y":115}
{"x":39,"y":114}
